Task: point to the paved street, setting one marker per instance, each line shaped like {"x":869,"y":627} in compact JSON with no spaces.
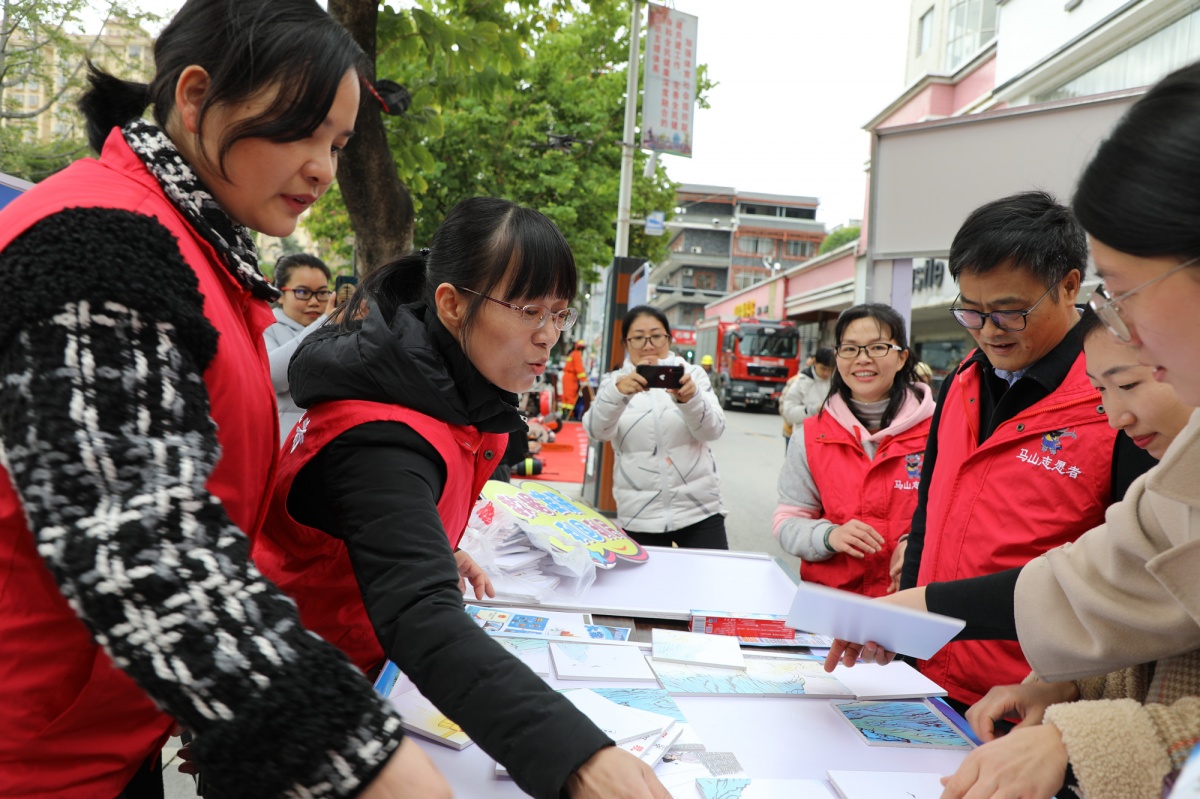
{"x":749,"y":457}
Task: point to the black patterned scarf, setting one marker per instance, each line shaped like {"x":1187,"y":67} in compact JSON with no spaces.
{"x":183,"y":188}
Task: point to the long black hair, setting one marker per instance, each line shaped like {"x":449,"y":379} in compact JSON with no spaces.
{"x":485,"y":244}
{"x":904,"y":383}
{"x":245,"y":46}
{"x":1139,"y":193}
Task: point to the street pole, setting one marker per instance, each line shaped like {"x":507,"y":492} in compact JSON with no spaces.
{"x":624,"y":196}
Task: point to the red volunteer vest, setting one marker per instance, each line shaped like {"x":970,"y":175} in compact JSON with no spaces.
{"x":880,"y":492}
{"x":1042,"y":479}
{"x":73,"y":726}
{"x":312,"y":567}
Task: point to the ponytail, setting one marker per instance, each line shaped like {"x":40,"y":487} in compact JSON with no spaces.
{"x":110,"y":103}
{"x":396,"y":283}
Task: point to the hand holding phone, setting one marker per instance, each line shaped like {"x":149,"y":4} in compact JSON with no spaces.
{"x":661,"y":376}
{"x":344,"y":286}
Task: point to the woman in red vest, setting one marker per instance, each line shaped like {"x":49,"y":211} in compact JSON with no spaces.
{"x":138,"y":435}
{"x":411,"y":396}
{"x":849,"y":484}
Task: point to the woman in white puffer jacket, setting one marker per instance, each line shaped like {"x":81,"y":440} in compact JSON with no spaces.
{"x":665,"y":477}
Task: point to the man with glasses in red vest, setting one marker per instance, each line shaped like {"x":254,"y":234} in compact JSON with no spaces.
{"x":1020,"y":457}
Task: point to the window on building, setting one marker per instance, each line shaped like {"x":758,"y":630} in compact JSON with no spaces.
{"x":925,"y":31}
{"x":706,"y":280}
{"x":972,"y":24}
{"x":745,"y":279}
{"x":1142,"y":64}
{"x":756,"y":246}
{"x":800,"y":249}
{"x":136,"y":52}
{"x":800,"y":213}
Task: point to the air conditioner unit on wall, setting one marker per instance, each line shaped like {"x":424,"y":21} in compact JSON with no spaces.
{"x":688,"y":271}
{"x":697,"y":249}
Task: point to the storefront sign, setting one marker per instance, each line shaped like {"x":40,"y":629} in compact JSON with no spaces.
{"x":932,"y":284}
{"x":928,"y":274}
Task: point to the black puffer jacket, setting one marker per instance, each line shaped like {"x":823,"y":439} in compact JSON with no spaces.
{"x":376,"y":487}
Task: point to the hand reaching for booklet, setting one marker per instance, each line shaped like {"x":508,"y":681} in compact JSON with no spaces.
{"x":613,"y":773}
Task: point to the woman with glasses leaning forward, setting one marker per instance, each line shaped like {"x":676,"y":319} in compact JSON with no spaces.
{"x":411,"y":395}
{"x":306,"y":303}
{"x":665,"y":480}
{"x":849,"y":484}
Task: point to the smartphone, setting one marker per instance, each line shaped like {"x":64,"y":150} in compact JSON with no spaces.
{"x":661,"y":376}
{"x":343,"y":286}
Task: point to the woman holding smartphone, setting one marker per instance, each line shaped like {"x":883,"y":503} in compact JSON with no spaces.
{"x":665,"y":482}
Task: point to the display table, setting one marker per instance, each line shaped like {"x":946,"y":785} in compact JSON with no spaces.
{"x":773,"y":738}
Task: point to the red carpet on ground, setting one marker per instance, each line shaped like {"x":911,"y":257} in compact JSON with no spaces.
{"x":565,"y":458}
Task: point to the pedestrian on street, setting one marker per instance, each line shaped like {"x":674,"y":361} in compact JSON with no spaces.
{"x":849,"y":485}
{"x":139,"y":435}
{"x":665,"y":478}
{"x":575,"y":384}
{"x":804,"y":394}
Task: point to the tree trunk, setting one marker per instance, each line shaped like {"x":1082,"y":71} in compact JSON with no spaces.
{"x":380,"y":207}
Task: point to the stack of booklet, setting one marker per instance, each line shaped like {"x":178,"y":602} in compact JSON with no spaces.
{"x":516,"y":566}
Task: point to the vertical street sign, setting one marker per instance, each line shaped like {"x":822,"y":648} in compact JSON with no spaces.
{"x":670,"y":82}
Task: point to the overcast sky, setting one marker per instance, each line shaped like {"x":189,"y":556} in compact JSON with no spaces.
{"x":798,"y":79}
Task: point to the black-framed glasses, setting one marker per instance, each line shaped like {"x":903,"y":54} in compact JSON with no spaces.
{"x":1008,"y":321}
{"x":656,"y":340}
{"x":304,"y":294}
{"x":534,"y":315}
{"x":878,"y":350}
{"x":1109,"y":308}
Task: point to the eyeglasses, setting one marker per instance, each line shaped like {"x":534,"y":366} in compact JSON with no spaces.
{"x":535,"y":315}
{"x":302,"y":293}
{"x":1008,"y":321}
{"x":656,"y":340}
{"x":1109,"y":309}
{"x":879,"y":350}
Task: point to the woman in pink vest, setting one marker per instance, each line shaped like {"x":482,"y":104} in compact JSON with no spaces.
{"x":411,"y":397}
{"x":849,"y":484}
{"x":138,"y":435}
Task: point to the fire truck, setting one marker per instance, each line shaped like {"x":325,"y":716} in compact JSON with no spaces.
{"x":752,"y":358}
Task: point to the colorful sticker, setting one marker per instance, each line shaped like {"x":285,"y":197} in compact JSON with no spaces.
{"x":568,"y":524}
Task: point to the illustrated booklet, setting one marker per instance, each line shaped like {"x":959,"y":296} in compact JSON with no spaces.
{"x":676,"y":646}
{"x":600,"y":661}
{"x":745,"y":788}
{"x":417,"y":714}
{"x":909,"y":724}
{"x":791,"y":677}
{"x":852,"y":617}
